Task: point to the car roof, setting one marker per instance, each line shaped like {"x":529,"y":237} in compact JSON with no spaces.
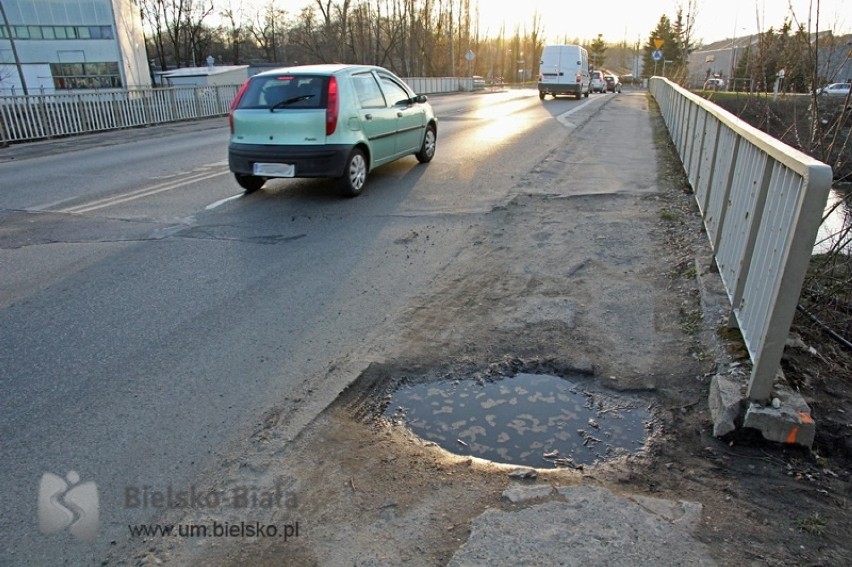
{"x":320,"y":69}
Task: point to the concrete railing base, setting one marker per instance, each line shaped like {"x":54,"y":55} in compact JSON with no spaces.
{"x":787,"y":419}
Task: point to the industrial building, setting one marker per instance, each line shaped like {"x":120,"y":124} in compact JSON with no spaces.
{"x":62,"y":46}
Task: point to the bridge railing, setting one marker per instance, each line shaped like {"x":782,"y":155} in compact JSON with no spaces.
{"x":762,"y":203}
{"x":41,"y":116}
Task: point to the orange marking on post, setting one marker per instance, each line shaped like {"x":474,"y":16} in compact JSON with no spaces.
{"x":791,"y":437}
{"x":805,"y":418}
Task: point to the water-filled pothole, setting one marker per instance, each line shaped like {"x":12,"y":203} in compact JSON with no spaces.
{"x":535,"y":420}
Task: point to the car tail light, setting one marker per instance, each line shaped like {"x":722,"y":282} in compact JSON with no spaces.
{"x":579,"y":77}
{"x":236,"y":102}
{"x":332,"y":108}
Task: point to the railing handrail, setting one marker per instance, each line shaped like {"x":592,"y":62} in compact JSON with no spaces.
{"x":761,"y":203}
{"x":778,"y":150}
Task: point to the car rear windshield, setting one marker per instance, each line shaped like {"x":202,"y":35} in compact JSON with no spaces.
{"x":285,"y":91}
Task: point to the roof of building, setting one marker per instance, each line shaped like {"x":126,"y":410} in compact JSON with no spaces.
{"x":202,"y":71}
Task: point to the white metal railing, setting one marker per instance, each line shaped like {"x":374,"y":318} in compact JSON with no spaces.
{"x":762,"y":203}
{"x":35,"y":117}
{"x":24,"y":118}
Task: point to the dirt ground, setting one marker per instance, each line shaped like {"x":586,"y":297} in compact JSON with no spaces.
{"x":598,"y":286}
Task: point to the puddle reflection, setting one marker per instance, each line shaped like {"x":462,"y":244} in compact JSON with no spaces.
{"x":530,"y":419}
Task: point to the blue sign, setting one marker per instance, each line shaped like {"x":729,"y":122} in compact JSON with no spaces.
{"x":657,"y":55}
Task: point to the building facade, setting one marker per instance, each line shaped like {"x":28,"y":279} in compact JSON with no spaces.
{"x":62,"y":46}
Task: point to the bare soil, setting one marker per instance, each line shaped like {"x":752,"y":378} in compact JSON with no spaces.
{"x":601,"y":285}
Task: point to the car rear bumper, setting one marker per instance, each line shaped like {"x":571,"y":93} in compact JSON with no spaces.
{"x":556,"y":88}
{"x":309,"y":161}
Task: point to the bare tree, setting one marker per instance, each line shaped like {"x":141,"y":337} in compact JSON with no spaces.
{"x":269,"y":30}
{"x":235,"y":32}
{"x":177,"y":28}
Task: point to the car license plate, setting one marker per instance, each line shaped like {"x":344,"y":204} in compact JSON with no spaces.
{"x":275,"y":169}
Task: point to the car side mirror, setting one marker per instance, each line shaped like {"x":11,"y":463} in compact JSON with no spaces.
{"x":419,"y":99}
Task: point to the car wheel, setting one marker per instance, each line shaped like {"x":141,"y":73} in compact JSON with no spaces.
{"x":541,"y":95}
{"x":250,"y":183}
{"x":427,"y":151}
{"x":354,"y":174}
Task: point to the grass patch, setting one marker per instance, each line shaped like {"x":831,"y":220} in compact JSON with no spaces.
{"x":813,"y":524}
{"x":690,"y":320}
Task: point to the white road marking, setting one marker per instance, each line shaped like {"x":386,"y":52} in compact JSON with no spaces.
{"x":140,"y":193}
{"x":212,"y":206}
{"x":563,"y":118}
{"x":50,"y":205}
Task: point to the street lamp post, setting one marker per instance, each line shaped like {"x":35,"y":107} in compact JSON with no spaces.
{"x":521,"y":67}
{"x":14,"y":49}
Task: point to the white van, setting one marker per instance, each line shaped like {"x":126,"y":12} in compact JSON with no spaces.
{"x":564,"y":70}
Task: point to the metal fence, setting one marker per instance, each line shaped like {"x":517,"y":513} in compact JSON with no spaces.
{"x":24,"y":118}
{"x":762,"y":203}
{"x":35,"y":117}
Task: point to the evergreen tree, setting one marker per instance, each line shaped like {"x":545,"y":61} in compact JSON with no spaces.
{"x":663,"y":32}
{"x":597,"y":52}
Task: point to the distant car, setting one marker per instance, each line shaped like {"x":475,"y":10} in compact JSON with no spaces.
{"x":835,"y":89}
{"x":598,"y":84}
{"x":338,"y":121}
{"x":613,"y":84}
{"x":714,"y":85}
{"x":478,"y":83}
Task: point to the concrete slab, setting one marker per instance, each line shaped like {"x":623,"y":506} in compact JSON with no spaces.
{"x":592,"y":526}
{"x":786,"y":420}
{"x":521,"y":494}
{"x":682,"y":513}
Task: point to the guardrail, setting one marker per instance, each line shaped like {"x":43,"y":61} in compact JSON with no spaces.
{"x":762,"y":203}
{"x":35,"y":117}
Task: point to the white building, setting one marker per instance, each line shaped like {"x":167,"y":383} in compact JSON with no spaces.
{"x":61,"y":46}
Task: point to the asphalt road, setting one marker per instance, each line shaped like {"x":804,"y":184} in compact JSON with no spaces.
{"x":150,"y":313}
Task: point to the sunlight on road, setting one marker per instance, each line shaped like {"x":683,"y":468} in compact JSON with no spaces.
{"x":503,"y":120}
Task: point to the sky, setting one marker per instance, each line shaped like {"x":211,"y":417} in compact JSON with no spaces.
{"x":629,"y":20}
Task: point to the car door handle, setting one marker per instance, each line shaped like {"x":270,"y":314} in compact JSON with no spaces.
{"x":368,"y":117}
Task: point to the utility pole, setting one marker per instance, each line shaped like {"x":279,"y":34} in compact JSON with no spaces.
{"x":14,"y":49}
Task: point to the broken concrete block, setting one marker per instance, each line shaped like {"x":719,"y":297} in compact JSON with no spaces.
{"x":725,"y":400}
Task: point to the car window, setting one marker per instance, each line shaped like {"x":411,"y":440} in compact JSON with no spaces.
{"x":395,"y":92}
{"x":284,"y":91}
{"x":368,"y":91}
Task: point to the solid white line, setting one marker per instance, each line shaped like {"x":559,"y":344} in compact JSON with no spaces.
{"x":50,"y":205}
{"x":132,"y":196}
{"x":563,"y":118}
{"x":212,"y":206}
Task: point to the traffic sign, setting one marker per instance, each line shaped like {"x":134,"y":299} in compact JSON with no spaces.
{"x":470,"y":55}
{"x":657,"y":55}
{"x":658,"y":43}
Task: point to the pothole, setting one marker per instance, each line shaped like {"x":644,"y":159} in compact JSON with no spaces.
{"x":535,"y":420}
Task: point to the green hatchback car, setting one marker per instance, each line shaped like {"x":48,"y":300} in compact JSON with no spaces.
{"x":337,"y":121}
